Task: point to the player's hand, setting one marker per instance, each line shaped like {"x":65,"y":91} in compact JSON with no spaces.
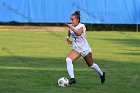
{"x":69,"y":41}
{"x":68,"y":24}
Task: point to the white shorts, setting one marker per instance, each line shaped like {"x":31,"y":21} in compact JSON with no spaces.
{"x":82,"y":53}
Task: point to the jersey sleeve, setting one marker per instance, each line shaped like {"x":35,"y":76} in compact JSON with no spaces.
{"x":83,"y":26}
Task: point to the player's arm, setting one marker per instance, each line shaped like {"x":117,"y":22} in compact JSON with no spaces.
{"x":77,"y":32}
{"x":69,"y":33}
{"x":68,"y":38}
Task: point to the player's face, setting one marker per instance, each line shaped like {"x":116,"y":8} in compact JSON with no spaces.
{"x":74,"y":21}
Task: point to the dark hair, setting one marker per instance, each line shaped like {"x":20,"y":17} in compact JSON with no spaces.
{"x":77,"y":15}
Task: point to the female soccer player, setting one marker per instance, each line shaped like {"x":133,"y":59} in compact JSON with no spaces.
{"x":80,"y":48}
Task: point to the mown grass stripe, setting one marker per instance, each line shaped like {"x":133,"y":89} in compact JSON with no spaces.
{"x":38,"y":69}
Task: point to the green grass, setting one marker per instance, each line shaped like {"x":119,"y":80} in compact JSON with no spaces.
{"x":32,"y":62}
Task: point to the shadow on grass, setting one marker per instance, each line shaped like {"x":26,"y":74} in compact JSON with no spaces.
{"x":131,"y":53}
{"x":128,"y":42}
{"x":56,"y":63}
{"x":34,"y":75}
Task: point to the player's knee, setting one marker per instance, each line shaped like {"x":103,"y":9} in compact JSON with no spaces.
{"x":89,"y":63}
{"x":94,"y":65}
{"x":68,"y":59}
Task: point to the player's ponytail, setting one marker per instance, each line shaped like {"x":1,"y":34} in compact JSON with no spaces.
{"x":77,"y":15}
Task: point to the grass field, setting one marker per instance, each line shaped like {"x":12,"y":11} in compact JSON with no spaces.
{"x":32,"y":62}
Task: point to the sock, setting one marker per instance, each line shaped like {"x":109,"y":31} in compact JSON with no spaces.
{"x":70,"y":67}
{"x":97,"y":69}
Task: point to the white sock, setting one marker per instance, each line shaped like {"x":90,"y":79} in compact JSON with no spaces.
{"x":97,"y":69}
{"x":70,"y":67}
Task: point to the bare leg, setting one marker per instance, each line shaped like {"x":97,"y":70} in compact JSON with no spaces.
{"x":71,"y":57}
{"x":90,"y":63}
{"x":89,"y":60}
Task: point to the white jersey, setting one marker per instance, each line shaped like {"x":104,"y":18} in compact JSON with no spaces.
{"x":80,"y":43}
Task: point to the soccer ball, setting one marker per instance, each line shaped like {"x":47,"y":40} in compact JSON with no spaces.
{"x":63,"y":82}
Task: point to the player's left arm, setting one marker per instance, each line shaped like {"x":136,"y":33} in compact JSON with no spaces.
{"x":77,"y":32}
{"x":68,"y":37}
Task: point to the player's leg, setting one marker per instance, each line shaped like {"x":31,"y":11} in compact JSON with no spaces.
{"x":89,"y":60}
{"x":73,"y":55}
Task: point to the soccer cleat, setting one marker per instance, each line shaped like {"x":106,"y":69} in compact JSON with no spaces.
{"x":72,"y":81}
{"x":103,"y":78}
